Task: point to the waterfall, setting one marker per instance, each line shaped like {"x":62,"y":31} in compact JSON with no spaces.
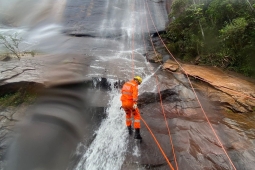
{"x":111,"y":144}
{"x":118,"y":22}
{"x":108,"y":149}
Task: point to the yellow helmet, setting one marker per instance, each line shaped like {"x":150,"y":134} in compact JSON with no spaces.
{"x":139,"y":79}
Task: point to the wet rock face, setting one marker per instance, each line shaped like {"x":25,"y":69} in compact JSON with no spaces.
{"x":17,"y":71}
{"x":16,"y":77}
{"x":170,"y":65}
{"x":155,"y":58}
{"x":230,"y":92}
{"x":157,"y":52}
{"x":192,"y":138}
{"x":168,"y":95}
{"x":196,"y":147}
{"x":103,"y":83}
{"x":56,"y":112}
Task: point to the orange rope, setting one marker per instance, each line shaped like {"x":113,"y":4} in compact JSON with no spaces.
{"x":160,"y":148}
{"x":161,"y":102}
{"x":194,"y":93}
{"x":234,"y":91}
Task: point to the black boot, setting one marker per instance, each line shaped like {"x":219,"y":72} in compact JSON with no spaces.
{"x":137,"y":134}
{"x":130,"y":130}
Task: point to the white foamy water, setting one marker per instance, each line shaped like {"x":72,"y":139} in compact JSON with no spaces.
{"x":109,"y":147}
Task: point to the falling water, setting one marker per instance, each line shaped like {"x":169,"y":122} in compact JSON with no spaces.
{"x":122,"y":22}
{"x":115,"y":40}
{"x":108,"y":149}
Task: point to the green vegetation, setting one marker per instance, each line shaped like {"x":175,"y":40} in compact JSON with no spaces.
{"x":218,"y":32}
{"x":17,"y":98}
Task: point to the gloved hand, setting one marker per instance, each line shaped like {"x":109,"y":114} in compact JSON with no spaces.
{"x":135,"y":106}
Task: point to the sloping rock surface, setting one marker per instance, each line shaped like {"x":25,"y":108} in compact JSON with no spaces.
{"x":190,"y":139}
{"x":237,"y":93}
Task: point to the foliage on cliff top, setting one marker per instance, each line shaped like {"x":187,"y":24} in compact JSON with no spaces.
{"x":217,"y":32}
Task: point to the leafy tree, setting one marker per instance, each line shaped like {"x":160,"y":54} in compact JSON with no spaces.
{"x":220,"y":32}
{"x":232,"y":34}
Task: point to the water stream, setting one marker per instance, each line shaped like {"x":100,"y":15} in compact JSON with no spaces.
{"x":108,"y":148}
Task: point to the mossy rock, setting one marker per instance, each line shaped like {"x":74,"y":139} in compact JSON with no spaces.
{"x":17,"y":98}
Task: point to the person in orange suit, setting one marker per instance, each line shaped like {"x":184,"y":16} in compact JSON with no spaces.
{"x":129,"y":99}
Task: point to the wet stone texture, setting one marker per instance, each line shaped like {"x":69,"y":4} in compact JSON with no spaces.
{"x":28,"y":74}
{"x":233,"y":92}
{"x":194,"y":141}
{"x":195,"y":145}
{"x":20,"y":70}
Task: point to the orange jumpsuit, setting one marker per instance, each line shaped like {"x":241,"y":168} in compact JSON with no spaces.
{"x":129,"y":98}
